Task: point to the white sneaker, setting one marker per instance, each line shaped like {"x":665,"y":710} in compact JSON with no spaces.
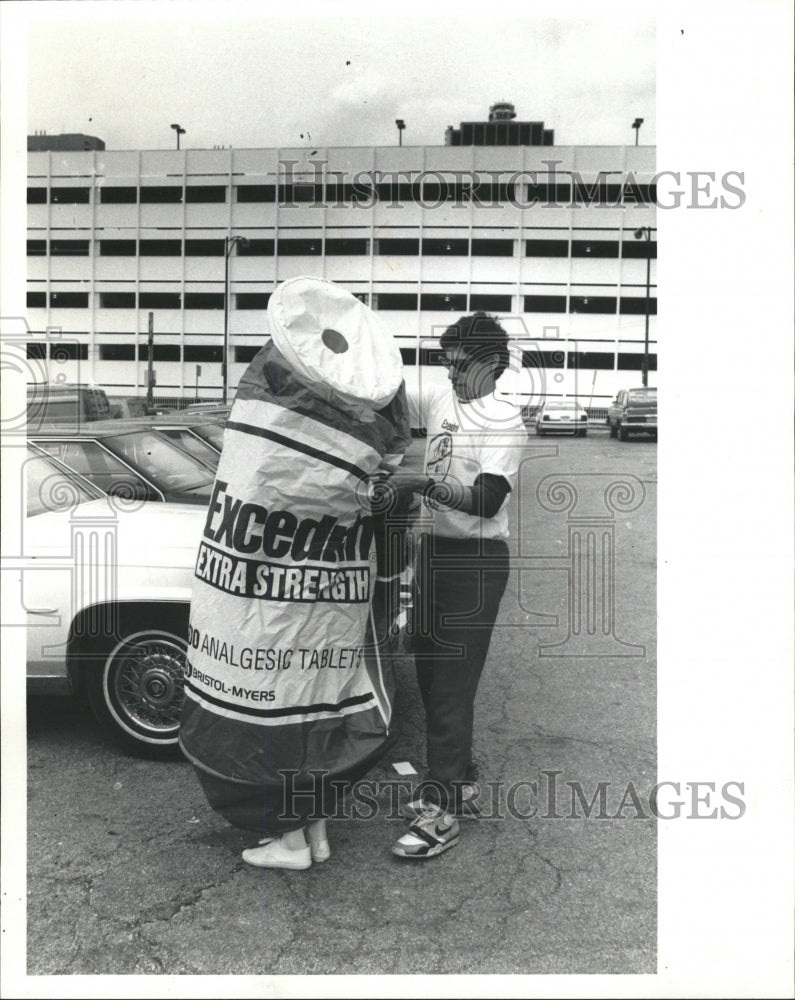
{"x":273,"y":854}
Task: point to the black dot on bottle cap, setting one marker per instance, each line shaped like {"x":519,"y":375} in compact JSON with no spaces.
{"x":334,"y":340}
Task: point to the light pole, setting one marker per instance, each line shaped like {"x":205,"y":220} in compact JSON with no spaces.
{"x":180,"y":131}
{"x":229,"y":242}
{"x":645,"y":233}
{"x":636,"y":125}
{"x":150,"y":371}
{"x":400,"y":126}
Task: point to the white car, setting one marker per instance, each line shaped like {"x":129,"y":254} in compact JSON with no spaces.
{"x":106,"y":586}
{"x":562,"y":415}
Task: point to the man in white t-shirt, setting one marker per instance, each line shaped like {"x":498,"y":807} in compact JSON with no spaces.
{"x":474,"y":445}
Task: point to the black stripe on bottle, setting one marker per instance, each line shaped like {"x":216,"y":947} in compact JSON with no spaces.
{"x":276,"y":713}
{"x":305,"y":449}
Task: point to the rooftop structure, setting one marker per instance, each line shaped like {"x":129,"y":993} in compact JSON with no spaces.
{"x":68,"y":142}
{"x":500,"y":130}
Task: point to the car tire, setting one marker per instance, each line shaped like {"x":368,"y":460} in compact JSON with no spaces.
{"x":137,"y":692}
{"x":539,"y":432}
{"x":613,"y":429}
{"x":623,"y":433}
{"x":582,"y":433}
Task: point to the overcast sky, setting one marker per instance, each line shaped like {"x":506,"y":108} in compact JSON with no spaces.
{"x":125,"y":73}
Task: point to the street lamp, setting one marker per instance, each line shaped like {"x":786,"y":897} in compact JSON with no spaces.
{"x":636,"y":125}
{"x":645,"y":233}
{"x":229,"y":242}
{"x":180,"y":131}
{"x":400,"y":126}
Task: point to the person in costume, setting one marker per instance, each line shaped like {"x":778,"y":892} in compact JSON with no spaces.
{"x":286,"y":699}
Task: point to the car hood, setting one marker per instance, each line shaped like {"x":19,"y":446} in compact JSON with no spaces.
{"x":149,"y":534}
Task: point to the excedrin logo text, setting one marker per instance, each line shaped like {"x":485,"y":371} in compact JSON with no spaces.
{"x":249,"y":528}
{"x":279,"y":582}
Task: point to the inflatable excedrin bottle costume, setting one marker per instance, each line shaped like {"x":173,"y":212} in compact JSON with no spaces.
{"x":282,"y":679}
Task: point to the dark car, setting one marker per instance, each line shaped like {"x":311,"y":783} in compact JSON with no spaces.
{"x":69,"y":403}
{"x":633,"y":411}
{"x":201,"y":436}
{"x":124,"y":407}
{"x":126,"y":460}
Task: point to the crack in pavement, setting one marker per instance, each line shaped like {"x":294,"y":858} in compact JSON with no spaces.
{"x":547,"y":861}
{"x":170,"y":908}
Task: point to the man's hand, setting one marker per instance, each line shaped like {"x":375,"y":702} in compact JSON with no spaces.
{"x":394,"y":492}
{"x":412,"y":482}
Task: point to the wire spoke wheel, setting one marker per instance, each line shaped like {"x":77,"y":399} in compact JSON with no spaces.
{"x":147,"y":685}
{"x":140,"y":691}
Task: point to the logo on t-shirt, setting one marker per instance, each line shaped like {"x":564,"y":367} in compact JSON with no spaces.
{"x":437,"y":464}
{"x":440,"y":452}
{"x":448,"y":426}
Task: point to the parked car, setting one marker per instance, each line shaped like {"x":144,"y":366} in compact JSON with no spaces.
{"x":200,"y":436}
{"x":211,"y":431}
{"x":633,"y":411}
{"x":123,"y":459}
{"x":52,"y":486}
{"x":123,"y":407}
{"x":107,"y":595}
{"x":69,"y":403}
{"x":564,"y":415}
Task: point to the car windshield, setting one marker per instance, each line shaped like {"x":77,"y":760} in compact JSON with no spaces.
{"x":642,"y":395}
{"x":199,"y":449}
{"x":214,"y":433}
{"x":167,"y":464}
{"x":50,"y":488}
{"x":563,"y":404}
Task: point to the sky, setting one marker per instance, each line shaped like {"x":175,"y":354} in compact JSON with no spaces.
{"x":125,"y":73}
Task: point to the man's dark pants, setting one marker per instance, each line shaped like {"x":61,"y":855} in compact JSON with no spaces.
{"x":458,"y":586}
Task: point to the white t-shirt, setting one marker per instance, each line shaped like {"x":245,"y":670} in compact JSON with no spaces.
{"x":465,"y":440}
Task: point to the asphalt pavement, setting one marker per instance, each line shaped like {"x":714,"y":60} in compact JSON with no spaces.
{"x":130,"y":871}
